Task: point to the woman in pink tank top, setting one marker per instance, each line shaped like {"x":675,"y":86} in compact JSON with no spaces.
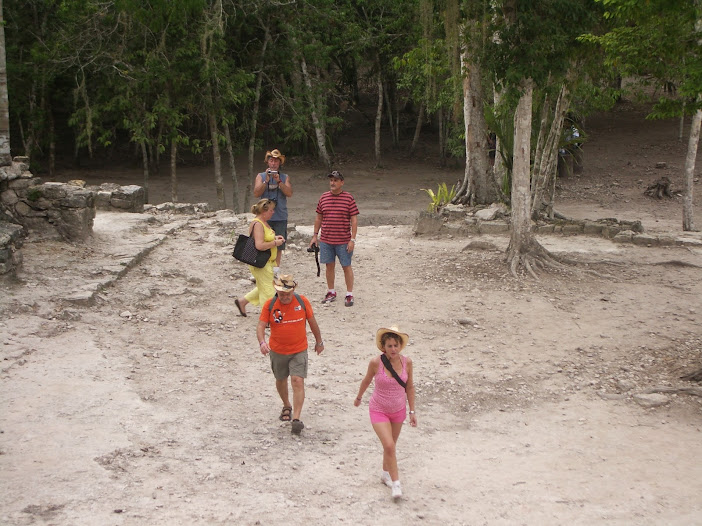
{"x":388,"y":403}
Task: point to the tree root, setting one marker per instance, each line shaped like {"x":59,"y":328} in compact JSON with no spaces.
{"x":694,"y":391}
{"x":537,"y":258}
{"x":694,"y":376}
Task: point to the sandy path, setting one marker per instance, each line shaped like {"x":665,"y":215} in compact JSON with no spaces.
{"x":155,"y":407}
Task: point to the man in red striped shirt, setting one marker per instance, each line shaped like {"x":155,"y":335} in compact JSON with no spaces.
{"x":337,"y":219}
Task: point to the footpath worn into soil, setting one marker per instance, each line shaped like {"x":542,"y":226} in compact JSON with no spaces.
{"x":134,"y":394}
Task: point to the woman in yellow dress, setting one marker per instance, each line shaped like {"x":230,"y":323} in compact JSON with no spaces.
{"x":265,"y":239}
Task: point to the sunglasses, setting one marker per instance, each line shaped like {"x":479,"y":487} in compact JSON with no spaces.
{"x":290,"y":285}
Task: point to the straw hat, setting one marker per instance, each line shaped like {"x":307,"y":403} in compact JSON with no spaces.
{"x":276,"y":155}
{"x":404,"y":338}
{"x":284,"y":283}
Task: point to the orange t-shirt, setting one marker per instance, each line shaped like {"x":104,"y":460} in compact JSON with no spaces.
{"x":288,"y":325}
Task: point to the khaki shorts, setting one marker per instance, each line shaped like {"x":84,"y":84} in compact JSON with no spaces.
{"x":284,"y":365}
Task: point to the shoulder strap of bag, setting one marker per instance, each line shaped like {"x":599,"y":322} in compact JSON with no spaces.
{"x":275,"y":298}
{"x":388,"y":366}
{"x":253,"y":224}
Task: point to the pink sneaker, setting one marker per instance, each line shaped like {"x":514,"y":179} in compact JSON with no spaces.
{"x":349,"y":301}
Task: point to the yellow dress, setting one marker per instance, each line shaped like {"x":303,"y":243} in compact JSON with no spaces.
{"x":263,"y":290}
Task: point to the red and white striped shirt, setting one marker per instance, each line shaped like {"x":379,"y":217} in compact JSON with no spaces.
{"x":336,"y":212}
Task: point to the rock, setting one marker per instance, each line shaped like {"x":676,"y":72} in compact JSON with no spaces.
{"x":651,"y":400}
{"x":487,"y":214}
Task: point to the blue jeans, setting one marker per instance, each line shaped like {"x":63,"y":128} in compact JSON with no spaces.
{"x":328,"y":253}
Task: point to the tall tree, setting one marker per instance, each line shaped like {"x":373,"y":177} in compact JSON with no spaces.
{"x":5,"y":155}
{"x":535,"y":42}
{"x":478,"y":183}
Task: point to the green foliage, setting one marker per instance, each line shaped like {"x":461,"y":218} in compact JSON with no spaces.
{"x":34,"y":193}
{"x":441,"y":198}
{"x":538,"y":40}
{"x":655,"y":41}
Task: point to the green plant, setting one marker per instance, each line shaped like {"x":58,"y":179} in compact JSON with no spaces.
{"x":442,"y":197}
{"x":34,"y":194}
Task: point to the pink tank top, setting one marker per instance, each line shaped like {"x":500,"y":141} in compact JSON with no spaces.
{"x":388,"y":396}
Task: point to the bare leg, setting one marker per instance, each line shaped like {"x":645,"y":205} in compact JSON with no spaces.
{"x":388,"y":433}
{"x":282,"y":387}
{"x":298,"y":388}
{"x":331,"y":268}
{"x":348,"y":277}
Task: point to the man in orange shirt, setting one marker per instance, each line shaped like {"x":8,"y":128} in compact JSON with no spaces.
{"x":288,"y":314}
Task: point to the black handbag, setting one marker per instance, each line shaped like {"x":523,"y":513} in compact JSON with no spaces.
{"x":245,"y":251}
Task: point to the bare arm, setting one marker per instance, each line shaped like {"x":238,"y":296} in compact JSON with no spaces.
{"x":286,"y":187}
{"x":317,"y":228}
{"x":410,"y":393}
{"x":258,"y":238}
{"x":261,"y":335}
{"x":314,"y":327}
{"x":259,"y":186}
{"x":354,"y":228}
{"x":370,"y":373}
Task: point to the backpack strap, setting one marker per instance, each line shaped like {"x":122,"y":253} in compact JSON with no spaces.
{"x":297,"y":297}
{"x":388,"y":366}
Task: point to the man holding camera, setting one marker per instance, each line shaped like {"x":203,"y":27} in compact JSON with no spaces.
{"x":337,"y":219}
{"x":275,"y":185}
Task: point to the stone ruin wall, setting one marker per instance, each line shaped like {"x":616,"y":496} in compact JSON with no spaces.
{"x":31,"y":208}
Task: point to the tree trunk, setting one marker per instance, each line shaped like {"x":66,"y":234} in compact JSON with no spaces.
{"x":523,"y":250}
{"x":5,"y":155}
{"x":477,"y":186}
{"x":688,"y":178}
{"x":521,"y":218}
{"x":394,"y":122}
{"x":500,"y":168}
{"x":52,"y":144}
{"x":417,"y":129}
{"x":145,"y":166}
{"x":442,"y":144}
{"x":378,"y":121}
{"x":465,"y":193}
{"x":546,"y":155}
{"x":254,"y":120}
{"x":389,"y":112}
{"x":316,"y":113}
{"x":232,"y":169}
{"x":174,"y":176}
{"x":217,"y":158}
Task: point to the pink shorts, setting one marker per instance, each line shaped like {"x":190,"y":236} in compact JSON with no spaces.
{"x":376,"y":416}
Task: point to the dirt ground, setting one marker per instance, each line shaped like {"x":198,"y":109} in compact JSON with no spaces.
{"x":556,"y":401}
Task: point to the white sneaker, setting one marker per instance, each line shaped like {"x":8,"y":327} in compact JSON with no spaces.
{"x":396,"y":490}
{"x":385,"y":479}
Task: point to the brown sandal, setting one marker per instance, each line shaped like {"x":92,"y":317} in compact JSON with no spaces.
{"x":285,"y":414}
